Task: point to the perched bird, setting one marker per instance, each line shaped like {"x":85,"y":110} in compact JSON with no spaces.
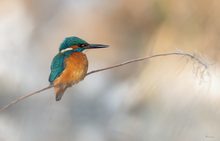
{"x":70,"y":65}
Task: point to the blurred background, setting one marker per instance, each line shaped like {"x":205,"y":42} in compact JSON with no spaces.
{"x":163,"y":99}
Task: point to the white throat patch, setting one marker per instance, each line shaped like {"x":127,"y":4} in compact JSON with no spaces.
{"x":67,"y":49}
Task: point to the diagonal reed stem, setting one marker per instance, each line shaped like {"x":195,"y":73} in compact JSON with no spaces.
{"x":193,"y":57}
{"x":149,"y":57}
{"x":24,"y":97}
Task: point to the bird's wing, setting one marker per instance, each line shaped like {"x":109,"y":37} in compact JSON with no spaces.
{"x":57,"y":67}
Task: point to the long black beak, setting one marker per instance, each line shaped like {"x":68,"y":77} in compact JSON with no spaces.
{"x":94,"y":46}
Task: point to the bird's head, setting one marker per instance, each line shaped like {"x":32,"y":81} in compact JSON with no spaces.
{"x":78,"y":45}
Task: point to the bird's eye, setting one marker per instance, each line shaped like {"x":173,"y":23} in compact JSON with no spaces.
{"x":83,"y":45}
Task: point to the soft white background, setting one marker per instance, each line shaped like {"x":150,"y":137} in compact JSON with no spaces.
{"x":163,"y":99}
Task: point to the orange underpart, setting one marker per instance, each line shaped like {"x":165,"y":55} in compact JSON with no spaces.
{"x":76,"y":67}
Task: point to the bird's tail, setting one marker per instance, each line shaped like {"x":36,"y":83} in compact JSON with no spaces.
{"x":59,"y":91}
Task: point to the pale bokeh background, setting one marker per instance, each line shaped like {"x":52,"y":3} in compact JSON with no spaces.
{"x":157,"y":100}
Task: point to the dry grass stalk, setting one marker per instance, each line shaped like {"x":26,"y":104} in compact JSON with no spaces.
{"x":201,"y":69}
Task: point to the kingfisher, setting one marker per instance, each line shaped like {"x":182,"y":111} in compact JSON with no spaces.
{"x":70,"y":65}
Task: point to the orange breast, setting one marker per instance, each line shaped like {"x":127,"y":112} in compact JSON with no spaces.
{"x":76,"y":67}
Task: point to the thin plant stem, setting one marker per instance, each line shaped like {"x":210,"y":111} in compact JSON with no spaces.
{"x":24,"y":97}
{"x":193,"y":57}
{"x":149,"y":57}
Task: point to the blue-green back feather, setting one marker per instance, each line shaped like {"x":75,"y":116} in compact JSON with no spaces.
{"x":58,"y":65}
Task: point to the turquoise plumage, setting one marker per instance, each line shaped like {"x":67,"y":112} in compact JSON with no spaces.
{"x":70,"y":65}
{"x":58,"y":65}
{"x":71,"y":41}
